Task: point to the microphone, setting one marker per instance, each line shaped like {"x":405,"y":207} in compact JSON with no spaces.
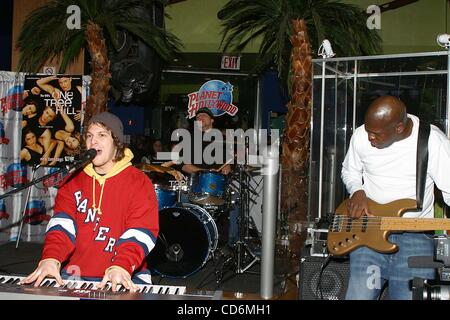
{"x":85,"y":159}
{"x":424,"y":262}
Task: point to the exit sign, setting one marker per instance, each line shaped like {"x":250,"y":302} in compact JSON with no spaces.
{"x":231,"y":62}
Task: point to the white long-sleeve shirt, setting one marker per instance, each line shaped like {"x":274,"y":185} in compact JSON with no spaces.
{"x":390,"y":174}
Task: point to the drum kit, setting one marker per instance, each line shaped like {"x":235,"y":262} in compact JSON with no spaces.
{"x":192,"y":212}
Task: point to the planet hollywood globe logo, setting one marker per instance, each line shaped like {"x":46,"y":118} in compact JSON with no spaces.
{"x":215,"y":95}
{"x":15,"y":176}
{"x":12,"y":100}
{"x":36,"y":212}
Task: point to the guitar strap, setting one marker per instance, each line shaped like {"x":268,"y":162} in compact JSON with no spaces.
{"x":422,"y":161}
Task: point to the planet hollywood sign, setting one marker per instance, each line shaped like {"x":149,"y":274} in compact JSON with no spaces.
{"x":215,"y":95}
{"x":237,"y":147}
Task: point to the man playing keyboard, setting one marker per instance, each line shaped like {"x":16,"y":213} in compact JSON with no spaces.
{"x":105,"y":218}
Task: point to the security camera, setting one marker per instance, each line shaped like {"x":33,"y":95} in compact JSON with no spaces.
{"x":443,"y":40}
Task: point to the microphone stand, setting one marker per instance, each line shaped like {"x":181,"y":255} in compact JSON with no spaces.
{"x":27,"y":198}
{"x":28,"y":185}
{"x":32,"y":182}
{"x":70,"y":168}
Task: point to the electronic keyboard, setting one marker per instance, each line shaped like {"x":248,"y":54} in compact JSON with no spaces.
{"x":49,"y":289}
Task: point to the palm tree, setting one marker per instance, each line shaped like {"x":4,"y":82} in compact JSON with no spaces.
{"x":45,"y":35}
{"x":288,"y":31}
{"x":272,"y":21}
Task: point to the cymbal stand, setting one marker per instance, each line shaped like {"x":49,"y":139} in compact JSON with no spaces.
{"x":242,"y":249}
{"x":221,"y":261}
{"x":240,"y":257}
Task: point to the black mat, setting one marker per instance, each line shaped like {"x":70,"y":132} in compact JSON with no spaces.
{"x":21,"y":260}
{"x":227,"y":274}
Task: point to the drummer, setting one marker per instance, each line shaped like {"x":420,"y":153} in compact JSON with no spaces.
{"x":205,"y":119}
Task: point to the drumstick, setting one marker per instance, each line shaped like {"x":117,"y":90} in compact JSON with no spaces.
{"x":224,"y":165}
{"x":177,"y":175}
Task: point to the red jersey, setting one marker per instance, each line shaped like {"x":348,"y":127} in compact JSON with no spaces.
{"x":100,"y":221}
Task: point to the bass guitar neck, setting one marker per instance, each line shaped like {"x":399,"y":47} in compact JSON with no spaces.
{"x":346,"y":234}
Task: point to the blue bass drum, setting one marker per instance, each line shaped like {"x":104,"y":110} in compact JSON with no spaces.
{"x":187,"y":238}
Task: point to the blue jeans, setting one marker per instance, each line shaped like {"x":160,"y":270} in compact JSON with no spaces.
{"x":369,"y":270}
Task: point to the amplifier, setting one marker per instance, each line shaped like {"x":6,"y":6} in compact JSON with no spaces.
{"x":330,"y":285}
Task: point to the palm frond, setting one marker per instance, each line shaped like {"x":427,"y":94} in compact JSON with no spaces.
{"x":72,"y":51}
{"x":44,"y":35}
{"x":89,"y":8}
{"x":164,"y":43}
{"x":112,"y":32}
{"x":269,"y":21}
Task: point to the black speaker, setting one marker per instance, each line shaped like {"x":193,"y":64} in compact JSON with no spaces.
{"x":333,"y":280}
{"x":135,"y":67}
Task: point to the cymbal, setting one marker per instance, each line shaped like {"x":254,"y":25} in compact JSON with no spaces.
{"x":247,"y":169}
{"x":153,"y":167}
{"x":252,"y":169}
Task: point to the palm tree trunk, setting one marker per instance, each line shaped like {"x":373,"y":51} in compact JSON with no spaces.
{"x":100,"y":75}
{"x":295,"y":148}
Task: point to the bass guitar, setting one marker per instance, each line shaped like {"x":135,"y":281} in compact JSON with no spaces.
{"x":346,"y":234}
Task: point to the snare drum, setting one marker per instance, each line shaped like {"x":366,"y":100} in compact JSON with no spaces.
{"x":208,"y":188}
{"x":187,"y":238}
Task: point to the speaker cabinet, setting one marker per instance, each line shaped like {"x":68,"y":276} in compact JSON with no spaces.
{"x":136,"y":68}
{"x":333,"y":281}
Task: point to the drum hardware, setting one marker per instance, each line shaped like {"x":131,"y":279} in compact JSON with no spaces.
{"x":235,"y":189}
{"x":189,"y":236}
{"x":217,"y":211}
{"x":240,"y":257}
{"x":179,"y":186}
{"x":243,"y":255}
{"x":222,"y":260}
{"x":243,"y":251}
{"x":175,"y":252}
